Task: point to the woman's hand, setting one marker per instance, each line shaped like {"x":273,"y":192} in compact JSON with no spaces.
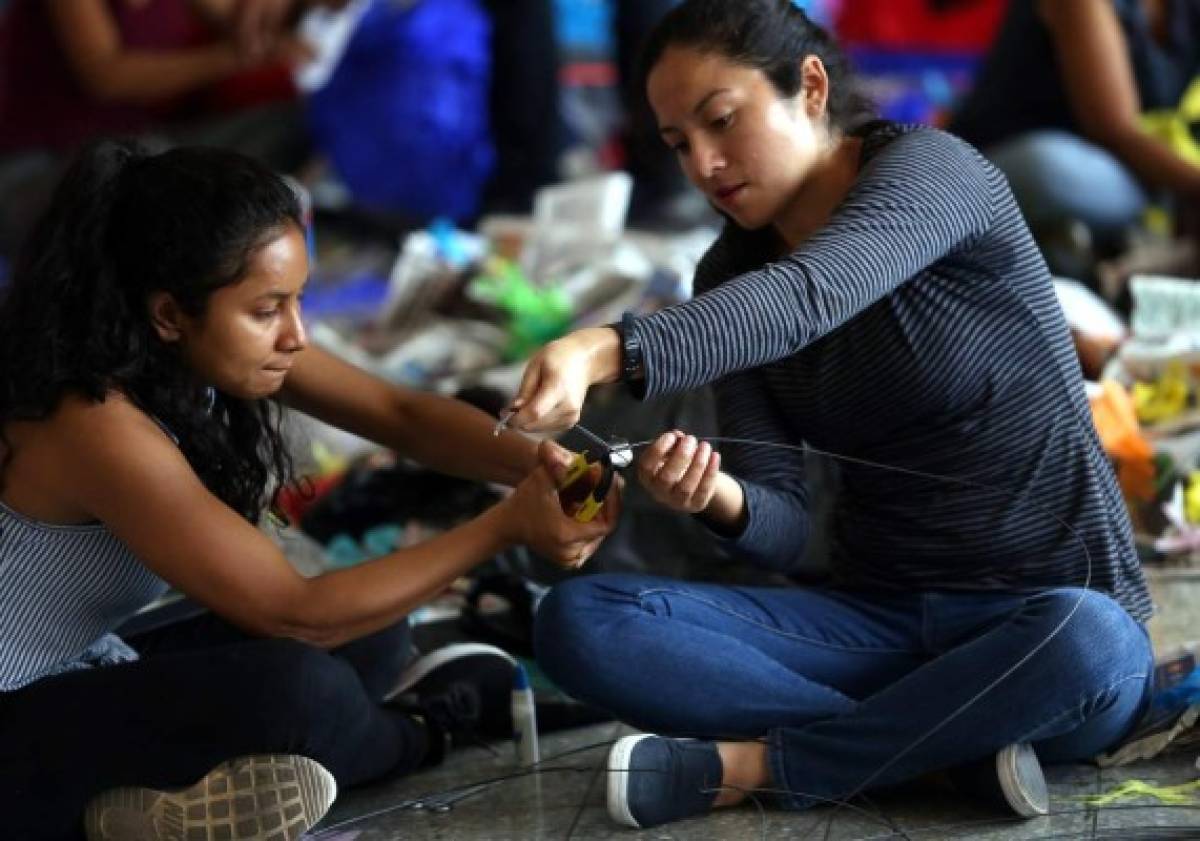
{"x":680,"y":472}
{"x":558,"y":376}
{"x":535,"y":517}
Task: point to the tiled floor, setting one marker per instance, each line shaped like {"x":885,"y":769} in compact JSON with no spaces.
{"x":566,"y":801}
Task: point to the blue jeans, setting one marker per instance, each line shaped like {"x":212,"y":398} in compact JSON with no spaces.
{"x":850,"y":690}
{"x":1055,"y":175}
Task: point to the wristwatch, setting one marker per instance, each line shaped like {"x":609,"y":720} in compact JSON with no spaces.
{"x":633,"y":371}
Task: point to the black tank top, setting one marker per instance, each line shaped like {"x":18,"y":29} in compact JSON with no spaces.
{"x":1020,"y":87}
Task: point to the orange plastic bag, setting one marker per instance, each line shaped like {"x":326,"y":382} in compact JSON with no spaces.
{"x":1121,"y":435}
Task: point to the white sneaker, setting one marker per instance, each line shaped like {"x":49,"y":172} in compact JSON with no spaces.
{"x":1021,"y":780}
{"x":255,"y":798}
{"x":451,"y":663}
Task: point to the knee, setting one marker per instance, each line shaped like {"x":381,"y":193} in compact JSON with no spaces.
{"x":309,"y":687}
{"x":380,"y":658}
{"x":557,"y":620}
{"x":1094,"y":638}
{"x":568,"y":622}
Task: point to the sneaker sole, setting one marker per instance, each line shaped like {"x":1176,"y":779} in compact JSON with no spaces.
{"x":618,"y":779}
{"x":260,"y":798}
{"x":1022,"y":781}
{"x":433,"y":661}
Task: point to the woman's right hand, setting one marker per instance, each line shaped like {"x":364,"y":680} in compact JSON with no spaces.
{"x":680,"y":472}
{"x":534,"y":515}
{"x":557,"y":378}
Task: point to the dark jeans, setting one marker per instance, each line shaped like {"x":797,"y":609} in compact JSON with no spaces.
{"x":202,"y":692}
{"x":851,"y":690}
{"x":525,"y":99}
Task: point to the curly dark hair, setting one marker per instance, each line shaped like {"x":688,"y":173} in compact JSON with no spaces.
{"x":125,"y":223}
{"x":773,"y":36}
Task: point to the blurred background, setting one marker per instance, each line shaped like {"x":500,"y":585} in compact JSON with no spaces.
{"x":479,"y":179}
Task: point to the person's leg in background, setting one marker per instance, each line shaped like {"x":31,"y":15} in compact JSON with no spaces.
{"x":1056,"y":175}
{"x":1079,"y":200}
{"x":274,"y":134}
{"x":662,"y":196}
{"x":26,"y":182}
{"x":167,"y":720}
{"x":524,"y":102}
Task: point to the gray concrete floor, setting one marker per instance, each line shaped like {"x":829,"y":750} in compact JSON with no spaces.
{"x":566,"y":801}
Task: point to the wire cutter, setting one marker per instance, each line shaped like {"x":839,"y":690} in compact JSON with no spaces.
{"x":589,"y":479}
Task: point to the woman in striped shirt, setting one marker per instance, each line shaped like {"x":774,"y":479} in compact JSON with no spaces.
{"x":875,"y":294}
{"x":151,"y":332}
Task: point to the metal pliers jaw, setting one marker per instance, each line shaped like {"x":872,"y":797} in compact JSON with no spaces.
{"x":589,"y":479}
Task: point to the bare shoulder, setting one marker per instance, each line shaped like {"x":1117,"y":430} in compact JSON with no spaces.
{"x":74,"y":448}
{"x":80,"y":424}
{"x":104,"y":439}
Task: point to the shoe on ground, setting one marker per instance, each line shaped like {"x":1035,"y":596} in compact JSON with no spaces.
{"x":261,"y":798}
{"x":653,"y":780}
{"x":463,"y":690}
{"x":1012,"y":779}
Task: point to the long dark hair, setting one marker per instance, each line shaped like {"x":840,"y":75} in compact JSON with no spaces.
{"x":124,"y":223}
{"x":773,"y":36}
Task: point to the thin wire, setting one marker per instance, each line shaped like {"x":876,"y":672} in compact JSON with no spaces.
{"x":747,"y":793}
{"x":442,"y":800}
{"x":593,"y":436}
{"x":409,"y":805}
{"x":951,"y":825}
{"x":954,"y":480}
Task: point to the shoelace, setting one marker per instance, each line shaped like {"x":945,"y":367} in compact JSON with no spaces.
{"x":456,"y":711}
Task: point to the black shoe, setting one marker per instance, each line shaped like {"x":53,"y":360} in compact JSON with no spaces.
{"x":486,"y":671}
{"x":653,"y":780}
{"x":1012,"y":780}
{"x":451,"y":718}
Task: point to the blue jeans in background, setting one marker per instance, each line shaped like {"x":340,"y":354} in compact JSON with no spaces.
{"x":851,"y":690}
{"x":1056,"y":175}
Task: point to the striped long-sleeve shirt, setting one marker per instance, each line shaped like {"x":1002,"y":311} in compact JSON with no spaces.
{"x":917,"y":329}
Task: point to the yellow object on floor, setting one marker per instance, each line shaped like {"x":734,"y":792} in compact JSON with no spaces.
{"x":1163,"y":399}
{"x":1173,"y":125}
{"x":1179,"y":795}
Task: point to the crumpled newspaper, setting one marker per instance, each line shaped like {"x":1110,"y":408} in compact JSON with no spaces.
{"x":1180,"y":734}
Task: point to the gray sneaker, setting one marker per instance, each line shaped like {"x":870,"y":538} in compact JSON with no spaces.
{"x":1010,"y":779}
{"x":1021,"y":780}
{"x":265,"y":798}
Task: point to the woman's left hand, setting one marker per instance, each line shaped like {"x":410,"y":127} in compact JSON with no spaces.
{"x":558,"y":376}
{"x":680,"y":472}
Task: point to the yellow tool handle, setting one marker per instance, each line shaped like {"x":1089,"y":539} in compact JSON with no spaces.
{"x":576,"y":489}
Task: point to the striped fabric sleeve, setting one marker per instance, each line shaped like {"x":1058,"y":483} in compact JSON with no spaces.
{"x":772,"y":479}
{"x":921,"y":197}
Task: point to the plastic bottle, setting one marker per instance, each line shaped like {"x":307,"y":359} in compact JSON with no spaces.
{"x":524,"y":717}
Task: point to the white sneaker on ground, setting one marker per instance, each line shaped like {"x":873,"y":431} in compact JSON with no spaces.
{"x":1022,"y":781}
{"x":256,"y":798}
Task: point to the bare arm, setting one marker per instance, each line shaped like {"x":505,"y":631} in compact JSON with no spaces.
{"x":1103,"y":92}
{"x":130,"y":476}
{"x":111,"y":72}
{"x":445,"y":434}
{"x":257,"y":26}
